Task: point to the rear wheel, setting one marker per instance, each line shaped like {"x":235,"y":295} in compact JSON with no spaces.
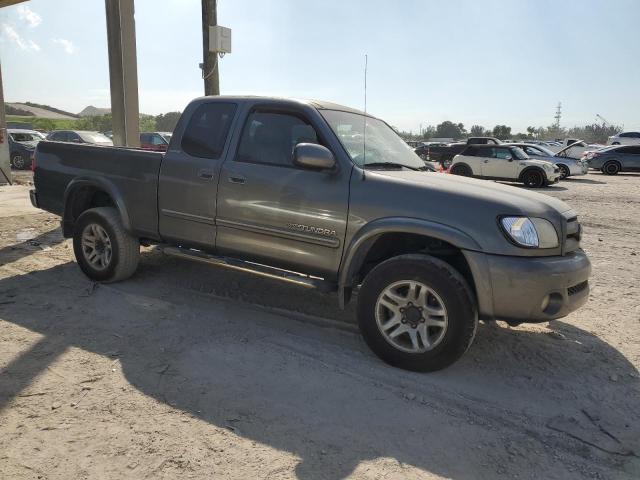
{"x":564,"y":171}
{"x":416,"y":312}
{"x":611,"y":168}
{"x":18,"y":162}
{"x":534,"y":179}
{"x":104,"y":251}
{"x":462,"y":170}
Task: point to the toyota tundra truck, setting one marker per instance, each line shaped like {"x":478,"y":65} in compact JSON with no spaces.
{"x":328,"y":197}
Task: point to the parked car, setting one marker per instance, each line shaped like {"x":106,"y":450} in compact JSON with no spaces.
{"x":80,"y":136}
{"x":574,"y":148}
{"x":279,"y":186}
{"x":568,"y":166}
{"x":167,"y":136}
{"x":624,"y":138}
{"x":504,"y":162}
{"x":444,"y":153}
{"x":154,"y":141}
{"x":22,"y":144}
{"x":615,"y":159}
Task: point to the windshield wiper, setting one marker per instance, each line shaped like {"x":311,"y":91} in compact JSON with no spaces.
{"x":389,"y":164}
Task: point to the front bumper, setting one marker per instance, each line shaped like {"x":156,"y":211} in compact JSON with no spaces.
{"x":530,"y":289}
{"x":579,"y":169}
{"x":34,"y":198}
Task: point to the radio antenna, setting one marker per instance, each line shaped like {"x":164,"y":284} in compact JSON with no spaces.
{"x":364,"y":139}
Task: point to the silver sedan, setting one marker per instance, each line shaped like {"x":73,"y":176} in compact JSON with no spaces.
{"x":568,"y":166}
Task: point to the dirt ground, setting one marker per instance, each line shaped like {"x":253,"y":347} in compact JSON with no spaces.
{"x":185,"y":371}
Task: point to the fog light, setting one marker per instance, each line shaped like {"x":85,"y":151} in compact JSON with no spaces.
{"x":545,"y":303}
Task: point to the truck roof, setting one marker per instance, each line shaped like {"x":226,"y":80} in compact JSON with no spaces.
{"x":317,"y":104}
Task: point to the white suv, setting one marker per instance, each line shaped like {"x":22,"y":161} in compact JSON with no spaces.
{"x":625,"y":138}
{"x":496,"y":162}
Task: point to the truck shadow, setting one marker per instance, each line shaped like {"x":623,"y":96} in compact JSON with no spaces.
{"x":25,"y":248}
{"x":314,"y":392}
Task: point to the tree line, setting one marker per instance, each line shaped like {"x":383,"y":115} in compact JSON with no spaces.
{"x":165,"y":122}
{"x":594,"y":133}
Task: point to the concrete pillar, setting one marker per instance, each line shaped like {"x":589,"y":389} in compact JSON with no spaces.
{"x":123,"y":72}
{"x":5,"y":169}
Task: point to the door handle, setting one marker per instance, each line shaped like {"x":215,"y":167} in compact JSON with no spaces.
{"x":206,"y":174}
{"x":486,"y":161}
{"x":235,"y":178}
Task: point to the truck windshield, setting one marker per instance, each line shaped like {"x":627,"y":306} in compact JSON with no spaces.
{"x":383,"y":145}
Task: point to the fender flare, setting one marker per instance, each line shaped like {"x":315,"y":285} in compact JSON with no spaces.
{"x":612,"y":160}
{"x":102,"y":184}
{"x":364,"y":239}
{"x":532,"y":167}
{"x":462,"y":164}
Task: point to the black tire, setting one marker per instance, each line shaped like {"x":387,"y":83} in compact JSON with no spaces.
{"x":615,"y":143}
{"x":462,"y":170}
{"x":125,"y":249}
{"x":564,"y":171}
{"x":611,"y":168}
{"x":450,"y":286}
{"x":534,"y":179}
{"x":18,"y":162}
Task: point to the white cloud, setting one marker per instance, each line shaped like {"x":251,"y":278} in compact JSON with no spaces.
{"x":15,"y":37}
{"x":29,"y":16}
{"x":68,"y":45}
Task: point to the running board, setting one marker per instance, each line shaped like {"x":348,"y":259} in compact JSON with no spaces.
{"x":254,"y":268}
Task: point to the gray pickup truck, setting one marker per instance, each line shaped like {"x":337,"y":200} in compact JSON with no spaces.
{"x":274,"y":186}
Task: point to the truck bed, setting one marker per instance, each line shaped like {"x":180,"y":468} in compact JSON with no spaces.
{"x":132,"y":173}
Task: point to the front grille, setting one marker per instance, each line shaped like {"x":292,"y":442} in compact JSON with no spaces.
{"x":574,"y":234}
{"x":577,"y":288}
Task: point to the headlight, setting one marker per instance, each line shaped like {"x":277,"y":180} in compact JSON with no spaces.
{"x":530,"y":232}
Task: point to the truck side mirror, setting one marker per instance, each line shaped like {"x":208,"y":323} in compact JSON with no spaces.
{"x":313,"y":156}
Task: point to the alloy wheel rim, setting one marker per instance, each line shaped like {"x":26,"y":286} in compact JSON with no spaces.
{"x":18,"y":162}
{"x":96,"y":246}
{"x":612,"y":168}
{"x":534,"y":179}
{"x":411,"y":316}
{"x":564,"y":171}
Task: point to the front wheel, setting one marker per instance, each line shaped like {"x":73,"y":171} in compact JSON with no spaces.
{"x":564,"y":171}
{"x":104,"y":251}
{"x":18,"y":162}
{"x":416,"y":312}
{"x":534,"y":179}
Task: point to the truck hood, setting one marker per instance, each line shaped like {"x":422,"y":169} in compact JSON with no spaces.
{"x":469,"y":205}
{"x":511,"y":197}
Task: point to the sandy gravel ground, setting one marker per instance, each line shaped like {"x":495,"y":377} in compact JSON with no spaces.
{"x":186,"y":371}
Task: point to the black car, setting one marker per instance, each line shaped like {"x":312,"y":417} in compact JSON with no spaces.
{"x":22,"y":144}
{"x":441,"y":153}
{"x":80,"y":136}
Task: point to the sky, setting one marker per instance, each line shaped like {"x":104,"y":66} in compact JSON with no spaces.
{"x":477,"y":62}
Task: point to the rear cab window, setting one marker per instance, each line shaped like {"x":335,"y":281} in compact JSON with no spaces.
{"x":206,"y":133}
